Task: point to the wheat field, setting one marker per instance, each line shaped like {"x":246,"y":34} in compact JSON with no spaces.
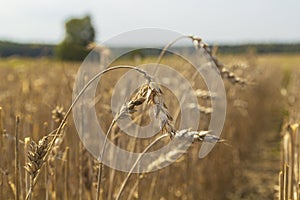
{"x":36,"y":94}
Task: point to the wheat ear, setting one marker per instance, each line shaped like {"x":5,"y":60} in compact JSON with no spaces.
{"x":125,"y":110}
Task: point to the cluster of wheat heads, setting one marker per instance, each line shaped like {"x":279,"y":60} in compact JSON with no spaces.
{"x":289,"y":176}
{"x":42,"y":153}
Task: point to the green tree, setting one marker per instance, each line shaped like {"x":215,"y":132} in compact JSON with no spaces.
{"x":79,"y":33}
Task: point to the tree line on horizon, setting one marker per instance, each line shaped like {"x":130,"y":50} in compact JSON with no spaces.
{"x":79,"y":33}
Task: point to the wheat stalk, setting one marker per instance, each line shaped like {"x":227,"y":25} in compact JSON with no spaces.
{"x":17,"y":158}
{"x":125,"y":110}
{"x":27,"y":142}
{"x":36,"y":158}
{"x":136,"y":162}
{"x":1,"y":124}
{"x":186,"y":134}
{"x":198,"y":43}
{"x":66,"y":172}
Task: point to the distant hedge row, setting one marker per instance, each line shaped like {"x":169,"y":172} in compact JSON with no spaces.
{"x":260,"y":48}
{"x":8,"y":49}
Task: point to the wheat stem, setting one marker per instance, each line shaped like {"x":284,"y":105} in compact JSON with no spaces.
{"x":26,"y":149}
{"x":80,"y":188}
{"x":17,"y":158}
{"x":162,"y":53}
{"x":136,"y":162}
{"x":101,"y":158}
{"x":66,"y":173}
{"x":1,"y":125}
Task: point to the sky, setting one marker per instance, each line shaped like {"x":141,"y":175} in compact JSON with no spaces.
{"x":218,"y":21}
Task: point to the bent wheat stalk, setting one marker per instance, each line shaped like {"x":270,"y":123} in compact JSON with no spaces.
{"x":136,"y":162}
{"x":127,"y":108}
{"x":17,"y":158}
{"x":188,"y":134}
{"x":99,"y":179}
{"x":63,"y":121}
{"x":225,"y":73}
{"x":198,"y":43}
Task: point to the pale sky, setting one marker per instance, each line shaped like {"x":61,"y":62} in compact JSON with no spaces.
{"x":230,"y":21}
